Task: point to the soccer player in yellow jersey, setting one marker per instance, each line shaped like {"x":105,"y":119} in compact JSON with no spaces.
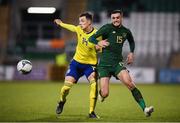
{"x":83,"y":62}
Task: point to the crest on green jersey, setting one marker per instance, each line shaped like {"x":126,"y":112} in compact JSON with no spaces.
{"x":121,"y":63}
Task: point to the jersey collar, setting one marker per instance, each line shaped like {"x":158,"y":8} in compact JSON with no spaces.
{"x":90,"y":31}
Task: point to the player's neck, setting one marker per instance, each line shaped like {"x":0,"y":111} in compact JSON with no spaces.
{"x":88,"y":29}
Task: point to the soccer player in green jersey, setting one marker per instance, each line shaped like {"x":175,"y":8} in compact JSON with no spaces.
{"x":111,"y":59}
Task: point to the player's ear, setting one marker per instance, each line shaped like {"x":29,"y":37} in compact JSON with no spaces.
{"x":90,"y":22}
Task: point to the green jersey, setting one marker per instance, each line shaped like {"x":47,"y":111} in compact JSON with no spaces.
{"x":116,"y":36}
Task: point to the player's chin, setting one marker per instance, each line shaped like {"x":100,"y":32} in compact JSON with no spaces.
{"x":116,"y":24}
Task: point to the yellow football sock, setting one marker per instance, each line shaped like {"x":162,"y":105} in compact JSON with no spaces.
{"x":93,"y":95}
{"x":65,"y":90}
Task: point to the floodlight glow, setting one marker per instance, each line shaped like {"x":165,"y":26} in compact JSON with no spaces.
{"x":41,"y":10}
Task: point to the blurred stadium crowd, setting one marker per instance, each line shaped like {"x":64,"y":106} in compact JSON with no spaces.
{"x":155,"y":25}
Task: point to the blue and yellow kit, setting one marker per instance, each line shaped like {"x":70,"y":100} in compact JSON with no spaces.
{"x":85,"y":50}
{"x":85,"y":57}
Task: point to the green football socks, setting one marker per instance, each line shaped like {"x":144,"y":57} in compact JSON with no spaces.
{"x":138,"y":97}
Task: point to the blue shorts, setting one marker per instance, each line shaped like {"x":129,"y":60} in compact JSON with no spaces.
{"x":77,"y":70}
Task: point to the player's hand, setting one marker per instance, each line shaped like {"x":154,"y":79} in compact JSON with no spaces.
{"x":130,"y":58}
{"x":103,"y":43}
{"x":57,"y":21}
{"x":98,"y":47}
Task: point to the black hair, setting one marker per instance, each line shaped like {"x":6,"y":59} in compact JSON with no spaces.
{"x":117,"y":11}
{"x":88,"y":16}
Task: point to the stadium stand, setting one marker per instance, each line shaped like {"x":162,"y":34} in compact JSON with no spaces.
{"x":155,"y":25}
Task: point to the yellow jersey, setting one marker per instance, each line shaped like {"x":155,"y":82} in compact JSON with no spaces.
{"x":85,"y":51}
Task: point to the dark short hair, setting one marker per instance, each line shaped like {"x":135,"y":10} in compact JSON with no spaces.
{"x":88,"y":15}
{"x":117,"y":11}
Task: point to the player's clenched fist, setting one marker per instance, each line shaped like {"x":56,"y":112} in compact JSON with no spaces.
{"x":57,"y":21}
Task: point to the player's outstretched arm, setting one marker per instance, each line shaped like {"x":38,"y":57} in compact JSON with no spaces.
{"x":69,"y":27}
{"x":100,"y":33}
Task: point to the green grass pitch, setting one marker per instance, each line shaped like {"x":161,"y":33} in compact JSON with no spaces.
{"x":36,"y":102}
